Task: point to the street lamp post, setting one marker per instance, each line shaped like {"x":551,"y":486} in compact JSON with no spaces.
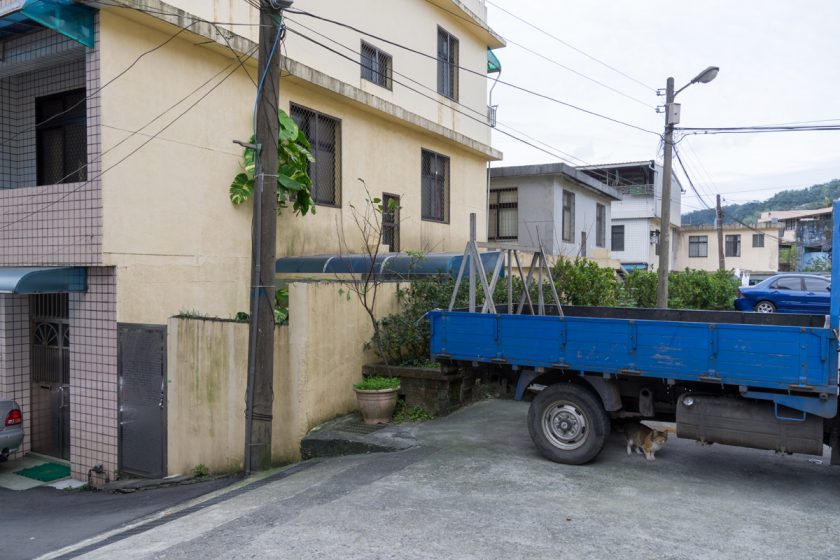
{"x":672,"y":117}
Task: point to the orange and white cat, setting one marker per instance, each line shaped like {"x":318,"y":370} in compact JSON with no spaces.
{"x":644,"y":440}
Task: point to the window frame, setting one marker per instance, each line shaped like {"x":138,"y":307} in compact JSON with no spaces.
{"x":495,"y":218}
{"x":450,"y":63}
{"x":824,"y":281}
{"x":776,"y":286}
{"x":733,"y":242}
{"x":72,"y":113}
{"x":337,"y":151}
{"x":758,"y":237}
{"x":378,"y":56}
{"x":698,"y":242}
{"x":613,"y":231}
{"x":568,"y":223}
{"x":391,"y":221}
{"x":444,"y":219}
{"x":600,"y":225}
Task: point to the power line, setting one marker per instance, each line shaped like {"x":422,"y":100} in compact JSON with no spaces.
{"x":574,"y":48}
{"x":690,"y":182}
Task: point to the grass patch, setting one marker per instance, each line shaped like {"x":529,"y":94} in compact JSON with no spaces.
{"x":404,"y":413}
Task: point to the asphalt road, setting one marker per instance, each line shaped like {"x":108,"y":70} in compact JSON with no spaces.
{"x":476,"y":488}
{"x":36,"y":521}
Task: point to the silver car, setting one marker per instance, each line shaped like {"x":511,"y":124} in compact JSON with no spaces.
{"x":11,"y":428}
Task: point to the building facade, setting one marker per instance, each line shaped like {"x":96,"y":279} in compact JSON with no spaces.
{"x":804,"y":237}
{"x":753,"y":250}
{"x":116,"y":154}
{"x":636,"y":218}
{"x":554,"y":205}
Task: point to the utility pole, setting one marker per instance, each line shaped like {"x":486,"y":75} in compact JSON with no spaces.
{"x":260,"y":387}
{"x":671,"y":118}
{"x":719,"y":220}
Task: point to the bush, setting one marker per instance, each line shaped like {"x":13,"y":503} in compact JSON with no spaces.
{"x":640,"y":288}
{"x":699,"y":289}
{"x":377,"y":383}
{"x":583,"y":282}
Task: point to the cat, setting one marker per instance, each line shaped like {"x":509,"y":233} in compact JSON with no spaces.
{"x":644,"y":440}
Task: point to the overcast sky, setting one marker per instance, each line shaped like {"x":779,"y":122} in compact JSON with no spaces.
{"x":779,"y":63}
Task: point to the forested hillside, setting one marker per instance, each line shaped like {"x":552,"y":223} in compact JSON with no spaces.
{"x":817,"y":196}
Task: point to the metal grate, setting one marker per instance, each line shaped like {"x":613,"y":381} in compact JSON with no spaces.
{"x":434,"y":186}
{"x":358,"y":427}
{"x":376,"y":65}
{"x":324,"y":133}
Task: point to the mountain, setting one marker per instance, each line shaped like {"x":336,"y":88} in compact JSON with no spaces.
{"x":817,"y":196}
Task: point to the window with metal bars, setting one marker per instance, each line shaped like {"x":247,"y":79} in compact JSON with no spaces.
{"x":61,"y":138}
{"x":698,"y":246}
{"x":447,"y":67}
{"x":758,"y":240}
{"x":324,"y":133}
{"x":434,"y":187}
{"x":503,"y":222}
{"x":600,"y":225}
{"x":391,"y":222}
{"x":733,"y":246}
{"x":376,"y":66}
{"x":569,"y":216}
{"x":617,"y":241}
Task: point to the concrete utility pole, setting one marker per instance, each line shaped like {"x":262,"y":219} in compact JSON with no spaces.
{"x":665,"y":213}
{"x":260,"y":388}
{"x":719,"y":220}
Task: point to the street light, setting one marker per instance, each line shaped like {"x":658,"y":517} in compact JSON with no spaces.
{"x":672,"y":117}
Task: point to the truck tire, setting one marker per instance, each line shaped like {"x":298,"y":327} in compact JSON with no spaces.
{"x":568,"y":424}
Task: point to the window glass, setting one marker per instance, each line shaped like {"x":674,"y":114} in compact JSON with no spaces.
{"x":815,"y":284}
{"x":447,"y":65}
{"x":617,"y":238}
{"x":324,"y":134}
{"x":434,"y":186}
{"x":788,"y":283}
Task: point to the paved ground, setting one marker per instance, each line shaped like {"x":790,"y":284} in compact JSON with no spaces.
{"x":475,"y":488}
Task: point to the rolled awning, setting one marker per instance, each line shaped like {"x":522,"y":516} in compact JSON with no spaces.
{"x":42,"y":279}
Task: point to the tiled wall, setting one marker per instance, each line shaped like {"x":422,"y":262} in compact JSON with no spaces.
{"x":52,"y":224}
{"x":93,"y":374}
{"x":14,"y":356}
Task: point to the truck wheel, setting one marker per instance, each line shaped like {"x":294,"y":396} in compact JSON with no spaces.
{"x":568,"y":424}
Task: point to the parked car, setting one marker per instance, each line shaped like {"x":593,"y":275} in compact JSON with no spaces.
{"x":787,"y":293}
{"x":11,"y":430}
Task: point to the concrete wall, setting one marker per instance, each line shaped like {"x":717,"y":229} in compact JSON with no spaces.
{"x":177,"y":242}
{"x":318,"y":356}
{"x":754,"y":259}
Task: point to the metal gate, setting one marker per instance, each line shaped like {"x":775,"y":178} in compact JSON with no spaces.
{"x":141,"y":359}
{"x":50,"y":367}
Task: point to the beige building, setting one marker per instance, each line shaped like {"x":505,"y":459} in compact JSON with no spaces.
{"x":747,"y":249}
{"x":116,"y":153}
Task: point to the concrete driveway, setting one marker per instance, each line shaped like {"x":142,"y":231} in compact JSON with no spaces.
{"x":476,"y":488}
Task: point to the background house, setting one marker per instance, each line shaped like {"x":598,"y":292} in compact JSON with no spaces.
{"x":804,"y":237}
{"x":754,"y":250}
{"x":115,"y":158}
{"x":636,"y":218}
{"x":555,"y":204}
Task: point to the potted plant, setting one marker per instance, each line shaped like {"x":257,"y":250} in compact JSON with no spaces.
{"x":377,"y":397}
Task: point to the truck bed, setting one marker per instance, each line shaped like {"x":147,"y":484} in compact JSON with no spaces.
{"x":790,"y":353}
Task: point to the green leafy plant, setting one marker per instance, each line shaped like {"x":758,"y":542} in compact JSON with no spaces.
{"x":200,"y":470}
{"x":405,"y":413}
{"x":377,"y":383}
{"x":294,"y":154}
{"x":640,"y":288}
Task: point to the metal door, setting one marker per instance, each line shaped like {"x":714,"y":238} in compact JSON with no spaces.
{"x":141,"y":364}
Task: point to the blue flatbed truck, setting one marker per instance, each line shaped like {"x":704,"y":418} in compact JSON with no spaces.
{"x":765,"y":381}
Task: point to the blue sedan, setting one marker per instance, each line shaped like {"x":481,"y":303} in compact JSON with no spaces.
{"x":787,"y":293}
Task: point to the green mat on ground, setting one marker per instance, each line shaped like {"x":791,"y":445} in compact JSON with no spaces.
{"x":46,"y":472}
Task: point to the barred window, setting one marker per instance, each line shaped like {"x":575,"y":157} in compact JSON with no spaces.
{"x":61,"y":138}
{"x":569,"y":216}
{"x":758,"y":240}
{"x":503,"y":222}
{"x":391,"y":222}
{"x":733,"y":245}
{"x":376,"y":66}
{"x":324,"y":133}
{"x":434,"y":187}
{"x":617,"y":238}
{"x":447,"y":67}
{"x":600,"y":225}
{"x":698,"y":245}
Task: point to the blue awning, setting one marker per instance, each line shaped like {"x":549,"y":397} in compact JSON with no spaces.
{"x":630,"y":267}
{"x":42,"y":279}
{"x":72,"y":20}
{"x":397,"y":265}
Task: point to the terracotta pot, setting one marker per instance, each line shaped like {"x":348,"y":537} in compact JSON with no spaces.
{"x":377,"y":406}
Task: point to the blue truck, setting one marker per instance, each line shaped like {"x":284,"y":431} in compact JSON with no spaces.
{"x":765,"y":381}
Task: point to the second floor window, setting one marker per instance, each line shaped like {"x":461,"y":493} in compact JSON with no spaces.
{"x":447,"y":65}
{"x":569,"y":216}
{"x":376,"y":66}
{"x":434,"y":187}
{"x":324,"y":133}
{"x":61,"y":138}
{"x":758,"y":240}
{"x":617,"y":241}
{"x":733,"y":246}
{"x":504,"y":214}
{"x":600,"y":225}
{"x":698,"y":245}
